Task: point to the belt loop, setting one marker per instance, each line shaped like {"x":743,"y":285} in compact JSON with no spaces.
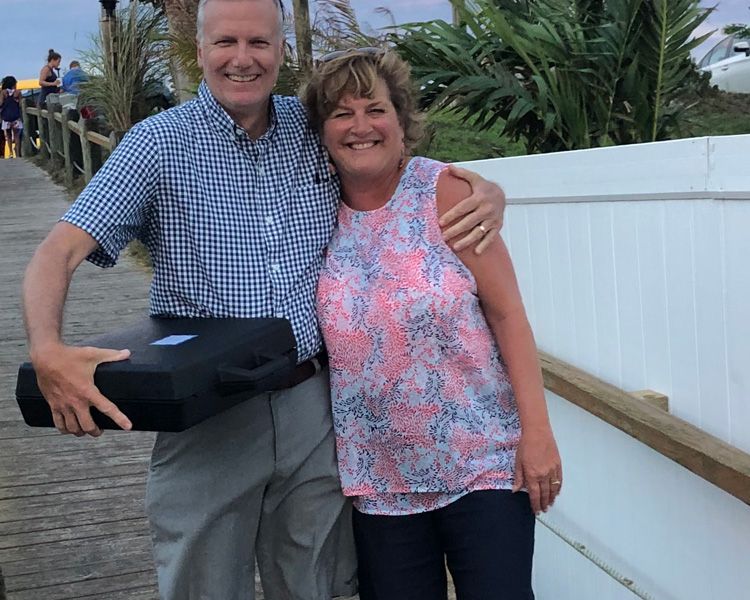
{"x":316,"y":363}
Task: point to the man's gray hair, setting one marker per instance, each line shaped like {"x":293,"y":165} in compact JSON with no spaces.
{"x":202,"y":9}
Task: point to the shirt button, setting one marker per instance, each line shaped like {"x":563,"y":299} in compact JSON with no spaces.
{"x":275,"y":267}
{"x":269,"y":220}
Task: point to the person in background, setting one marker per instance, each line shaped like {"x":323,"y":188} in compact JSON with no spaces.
{"x":73,"y":78}
{"x":49,"y":78}
{"x":442,"y":434}
{"x":10,"y":113}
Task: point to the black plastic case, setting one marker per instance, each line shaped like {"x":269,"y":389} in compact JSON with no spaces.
{"x":180,"y":372}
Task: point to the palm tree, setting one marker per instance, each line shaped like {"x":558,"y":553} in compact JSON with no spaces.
{"x":303,"y":34}
{"x":183,"y":65}
{"x":560,"y":74}
{"x":181,"y":16}
{"x":122,"y":90}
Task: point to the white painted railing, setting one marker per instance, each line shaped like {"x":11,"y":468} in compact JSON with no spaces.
{"x":633,"y":264}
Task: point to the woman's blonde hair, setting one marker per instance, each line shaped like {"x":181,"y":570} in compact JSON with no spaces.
{"x":357,"y":72}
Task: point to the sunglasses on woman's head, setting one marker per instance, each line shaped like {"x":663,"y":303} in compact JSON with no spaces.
{"x":368,"y":51}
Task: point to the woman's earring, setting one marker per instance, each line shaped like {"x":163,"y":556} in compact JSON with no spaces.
{"x":402,"y":160}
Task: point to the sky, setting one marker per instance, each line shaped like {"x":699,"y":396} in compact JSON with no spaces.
{"x":31,"y":27}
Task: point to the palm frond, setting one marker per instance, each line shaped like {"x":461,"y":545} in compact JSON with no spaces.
{"x":667,"y":29}
{"x":336,"y":26}
{"x":561,"y":74}
{"x":120,"y":86}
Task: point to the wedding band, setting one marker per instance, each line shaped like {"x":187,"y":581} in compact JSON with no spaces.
{"x":556,"y":482}
{"x":483,"y":229}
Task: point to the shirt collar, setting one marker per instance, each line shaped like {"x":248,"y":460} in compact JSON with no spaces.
{"x":225,"y":123}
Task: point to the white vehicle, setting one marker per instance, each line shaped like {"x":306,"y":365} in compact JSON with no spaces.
{"x":729,"y":64}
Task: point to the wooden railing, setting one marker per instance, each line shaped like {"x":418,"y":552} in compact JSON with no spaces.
{"x":722,"y":464}
{"x":66,"y":139}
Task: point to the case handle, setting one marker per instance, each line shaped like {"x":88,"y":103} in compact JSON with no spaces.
{"x":238,"y":379}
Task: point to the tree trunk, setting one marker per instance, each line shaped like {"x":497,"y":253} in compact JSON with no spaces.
{"x":455,"y":7}
{"x":303,"y":33}
{"x":181,"y":15}
{"x":108,"y":28}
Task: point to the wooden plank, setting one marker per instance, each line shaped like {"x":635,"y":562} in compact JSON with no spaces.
{"x":77,"y":493}
{"x":723,"y":465}
{"x":144,"y":593}
{"x":660,"y":401}
{"x":26,"y":139}
{"x":99,"y":139}
{"x":43,"y":127}
{"x":30,"y":574}
{"x":73,"y":508}
{"x":110,"y":441}
{"x":27,"y":488}
{"x":91,"y":148}
{"x":81,"y":532}
{"x":17,"y":429}
{"x":54,"y":130}
{"x":68,"y":115}
{"x":71,"y":467}
{"x":114,"y":543}
{"x":56,"y":461}
{"x":141,"y":593}
{"x":82,"y":588}
{"x":735,"y":218}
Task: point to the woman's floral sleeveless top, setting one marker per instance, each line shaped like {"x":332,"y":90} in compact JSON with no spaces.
{"x":422,"y":406}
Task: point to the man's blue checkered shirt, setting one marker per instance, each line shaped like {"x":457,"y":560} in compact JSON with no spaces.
{"x":235,"y":227}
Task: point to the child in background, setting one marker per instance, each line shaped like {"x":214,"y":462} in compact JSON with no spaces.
{"x":10,"y":113}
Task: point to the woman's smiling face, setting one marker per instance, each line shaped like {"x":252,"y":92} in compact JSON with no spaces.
{"x":364,"y":136}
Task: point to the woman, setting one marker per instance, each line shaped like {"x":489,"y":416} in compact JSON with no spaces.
{"x":10,"y":115}
{"x":49,"y":78}
{"x":437,"y":394}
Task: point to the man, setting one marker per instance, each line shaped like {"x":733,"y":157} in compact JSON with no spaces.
{"x":232,"y":194}
{"x":73,"y":78}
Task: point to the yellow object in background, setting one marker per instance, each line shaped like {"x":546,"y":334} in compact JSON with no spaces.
{"x":27,"y":84}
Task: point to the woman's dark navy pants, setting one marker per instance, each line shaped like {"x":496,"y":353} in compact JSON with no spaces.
{"x":486,"y":538}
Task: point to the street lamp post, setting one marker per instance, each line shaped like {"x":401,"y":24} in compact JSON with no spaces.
{"x":108,"y":27}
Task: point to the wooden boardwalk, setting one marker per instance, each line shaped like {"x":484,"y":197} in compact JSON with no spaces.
{"x":72,"y":522}
{"x":71,"y":510}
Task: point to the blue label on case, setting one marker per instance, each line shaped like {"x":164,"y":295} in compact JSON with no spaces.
{"x":172,"y":340}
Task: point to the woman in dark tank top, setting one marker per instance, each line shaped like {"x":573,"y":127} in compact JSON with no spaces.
{"x":49,"y":79}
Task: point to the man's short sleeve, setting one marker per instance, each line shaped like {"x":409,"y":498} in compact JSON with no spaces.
{"x":114,"y":207}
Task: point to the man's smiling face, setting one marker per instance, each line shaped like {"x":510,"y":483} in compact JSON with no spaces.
{"x":240,"y":49}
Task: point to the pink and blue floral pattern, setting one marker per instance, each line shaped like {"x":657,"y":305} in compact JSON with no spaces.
{"x":422,"y":405}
